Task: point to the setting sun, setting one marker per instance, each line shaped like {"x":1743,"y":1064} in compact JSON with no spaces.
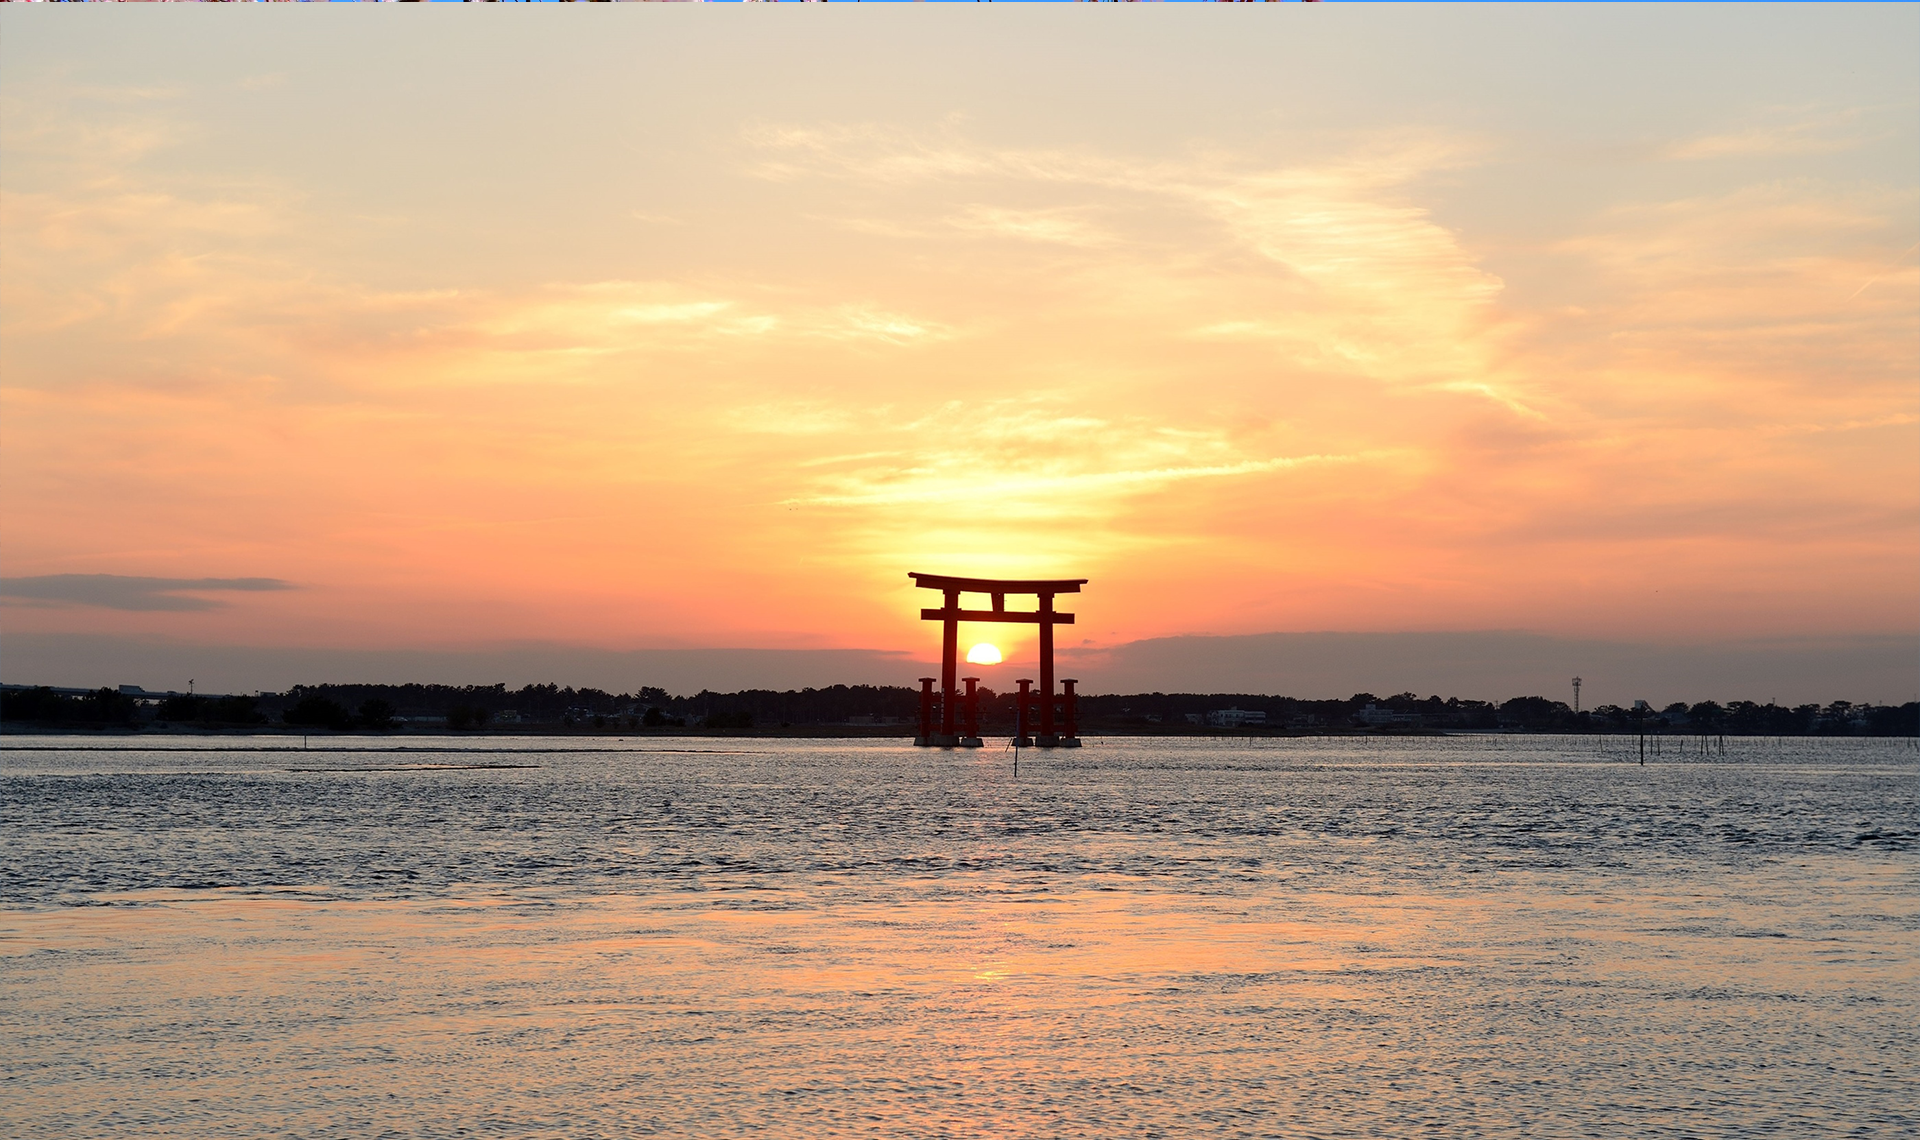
{"x":983,"y":654}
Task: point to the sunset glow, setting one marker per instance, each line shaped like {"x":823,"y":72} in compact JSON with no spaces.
{"x":716,"y":371}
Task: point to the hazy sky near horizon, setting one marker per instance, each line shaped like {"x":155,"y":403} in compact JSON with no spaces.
{"x":649,"y":326}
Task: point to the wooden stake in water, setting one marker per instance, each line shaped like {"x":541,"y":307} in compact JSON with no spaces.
{"x":1019,"y":730}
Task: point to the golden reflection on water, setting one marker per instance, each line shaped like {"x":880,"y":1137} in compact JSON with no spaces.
{"x":988,"y":1011}
{"x":1496,"y":938}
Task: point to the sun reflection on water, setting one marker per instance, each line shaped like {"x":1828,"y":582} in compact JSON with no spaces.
{"x":1117,"y":944}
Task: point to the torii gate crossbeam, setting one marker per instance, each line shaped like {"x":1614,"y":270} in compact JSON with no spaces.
{"x":950,"y":615}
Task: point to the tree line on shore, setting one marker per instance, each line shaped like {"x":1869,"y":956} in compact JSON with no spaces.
{"x":881,"y":709}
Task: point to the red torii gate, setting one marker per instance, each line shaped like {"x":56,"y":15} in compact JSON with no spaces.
{"x":951,"y":615}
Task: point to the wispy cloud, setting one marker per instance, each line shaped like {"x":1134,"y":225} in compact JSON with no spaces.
{"x":1787,"y":131}
{"x":1028,"y":460}
{"x":1356,"y":274}
{"x":1068,"y":489}
{"x":1761,"y":281}
{"x":1057,"y":227}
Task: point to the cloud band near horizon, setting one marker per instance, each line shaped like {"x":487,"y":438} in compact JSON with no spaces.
{"x":1484,"y":665}
{"x":130,"y":592}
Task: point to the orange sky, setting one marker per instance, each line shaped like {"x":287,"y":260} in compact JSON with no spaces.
{"x":675,"y":326}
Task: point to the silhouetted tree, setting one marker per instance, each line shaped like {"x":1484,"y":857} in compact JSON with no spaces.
{"x":1536,"y":712}
{"x":235,"y":710}
{"x":179,"y":708}
{"x":376,"y":713}
{"x":42,"y":705}
{"x":210,"y":710}
{"x":467,"y":716}
{"x":318,"y":712}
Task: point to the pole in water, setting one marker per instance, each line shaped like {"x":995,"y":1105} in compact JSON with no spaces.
{"x":1021,"y":702}
{"x":1642,"y":710}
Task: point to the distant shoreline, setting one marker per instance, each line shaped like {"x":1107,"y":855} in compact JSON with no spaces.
{"x":860,"y":712}
{"x":795,"y":732}
{"x":814,"y":732}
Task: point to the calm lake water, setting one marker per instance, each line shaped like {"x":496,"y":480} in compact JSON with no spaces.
{"x":1452,"y":937}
